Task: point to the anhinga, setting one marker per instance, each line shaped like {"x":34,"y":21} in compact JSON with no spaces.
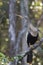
{"x":32,"y":37}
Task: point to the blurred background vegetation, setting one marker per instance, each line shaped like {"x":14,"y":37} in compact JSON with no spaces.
{"x":35,"y":12}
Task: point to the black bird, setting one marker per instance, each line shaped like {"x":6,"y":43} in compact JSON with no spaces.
{"x":32,"y":37}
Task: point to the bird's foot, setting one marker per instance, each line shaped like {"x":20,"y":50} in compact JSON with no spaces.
{"x":31,"y":46}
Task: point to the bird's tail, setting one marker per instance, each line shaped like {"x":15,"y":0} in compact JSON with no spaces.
{"x":29,"y":57}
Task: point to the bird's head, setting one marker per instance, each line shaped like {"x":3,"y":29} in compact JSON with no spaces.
{"x":33,"y":30}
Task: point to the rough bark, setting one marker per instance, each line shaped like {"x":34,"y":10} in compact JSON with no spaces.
{"x":12,"y":29}
{"x":12,"y":25}
{"x":24,"y":22}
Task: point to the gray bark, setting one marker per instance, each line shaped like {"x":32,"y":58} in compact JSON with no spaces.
{"x":15,"y":42}
{"x":12,"y":30}
{"x":24,"y":22}
{"x":12,"y":25}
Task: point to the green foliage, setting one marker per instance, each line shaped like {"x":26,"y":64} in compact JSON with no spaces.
{"x":2,"y":55}
{"x":35,"y":9}
{"x":4,"y":23}
{"x":18,"y":57}
{"x":3,"y":59}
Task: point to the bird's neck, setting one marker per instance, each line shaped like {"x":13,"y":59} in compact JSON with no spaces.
{"x":33,"y":34}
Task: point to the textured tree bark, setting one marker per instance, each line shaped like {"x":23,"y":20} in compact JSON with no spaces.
{"x":12,"y":25}
{"x":12,"y":30}
{"x":25,"y":21}
{"x":15,"y":42}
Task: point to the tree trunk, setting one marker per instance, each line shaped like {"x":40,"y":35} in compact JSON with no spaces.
{"x":12,"y":30}
{"x":16,"y":42}
{"x":24,"y":22}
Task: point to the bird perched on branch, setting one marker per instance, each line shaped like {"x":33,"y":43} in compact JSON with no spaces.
{"x":32,"y":37}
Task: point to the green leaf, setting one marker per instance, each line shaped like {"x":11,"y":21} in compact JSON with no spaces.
{"x":2,"y":55}
{"x":1,"y":3}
